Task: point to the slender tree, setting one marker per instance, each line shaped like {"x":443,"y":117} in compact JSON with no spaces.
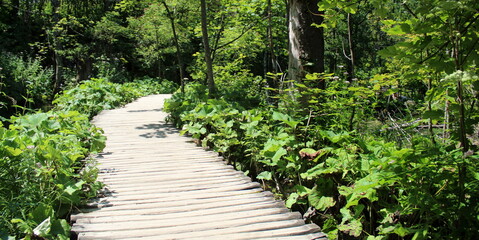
{"x":171,"y":16}
{"x":57,"y":48}
{"x":206,"y":45}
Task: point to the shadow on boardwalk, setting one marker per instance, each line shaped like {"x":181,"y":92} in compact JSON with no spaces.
{"x":158,"y":130}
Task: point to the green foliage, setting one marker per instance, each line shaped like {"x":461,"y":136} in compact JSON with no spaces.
{"x":444,"y":101}
{"x":95,"y":95}
{"x":25,"y":83}
{"x":45,"y":165}
{"x":111,"y":70}
{"x":146,"y":86}
{"x":45,"y":171}
{"x":154,"y":35}
{"x":180,"y":102}
{"x":354,"y":185}
{"x":439,"y":34}
{"x":239,"y":85}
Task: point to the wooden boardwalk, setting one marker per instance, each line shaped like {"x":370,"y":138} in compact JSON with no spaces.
{"x":162,"y":186}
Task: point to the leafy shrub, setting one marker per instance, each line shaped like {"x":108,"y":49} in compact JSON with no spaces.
{"x":25,"y":83}
{"x":239,"y":85}
{"x":41,"y":176}
{"x":111,"y":69}
{"x":183,"y":102}
{"x":45,"y":168}
{"x":353,"y":185}
{"x":95,"y":95}
{"x":148,"y":86}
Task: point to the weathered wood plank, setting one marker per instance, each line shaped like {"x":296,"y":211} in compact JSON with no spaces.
{"x":172,"y":226}
{"x":201,"y":212}
{"x":181,"y":220}
{"x":205,"y":233}
{"x":174,"y":196}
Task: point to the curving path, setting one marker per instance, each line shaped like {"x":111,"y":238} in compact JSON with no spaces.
{"x":162,"y":186}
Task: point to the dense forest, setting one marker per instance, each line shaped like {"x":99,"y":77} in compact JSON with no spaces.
{"x":361,"y":114}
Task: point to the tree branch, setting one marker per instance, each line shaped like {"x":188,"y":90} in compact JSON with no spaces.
{"x":245,"y":30}
{"x":409,"y":10}
{"x":435,"y":53}
{"x":470,"y":51}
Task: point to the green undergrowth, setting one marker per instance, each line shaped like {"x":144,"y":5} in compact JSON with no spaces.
{"x":355,"y":186}
{"x":46,"y":168}
{"x":95,"y":95}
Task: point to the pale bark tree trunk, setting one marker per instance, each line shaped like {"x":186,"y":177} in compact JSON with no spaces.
{"x":306,"y":42}
{"x":351,"y":51}
{"x":206,"y":45}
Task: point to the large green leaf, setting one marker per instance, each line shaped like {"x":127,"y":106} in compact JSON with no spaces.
{"x":43,"y":229}
{"x":265,"y":175}
{"x":320,"y":202}
{"x":292,"y":199}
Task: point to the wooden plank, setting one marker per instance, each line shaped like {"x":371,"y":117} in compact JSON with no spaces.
{"x":200,"y":212}
{"x":245,"y":213}
{"x":163,"y":177}
{"x":198,"y":199}
{"x":182,"y":167}
{"x":178,"y":187}
{"x":178,"y":182}
{"x":173,"y":226}
{"x":161,"y":197}
{"x":136,"y":233}
{"x":186,"y":182}
{"x":164,"y":208}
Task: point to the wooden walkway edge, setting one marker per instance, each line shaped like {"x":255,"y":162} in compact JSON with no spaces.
{"x":160,"y":185}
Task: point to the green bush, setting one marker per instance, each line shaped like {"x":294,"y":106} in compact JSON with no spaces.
{"x":95,"y":95}
{"x":111,"y":69}
{"x":353,"y":185}
{"x":24,"y":83}
{"x":45,"y":171}
{"x":147,"y":86}
{"x":180,"y":102}
{"x":45,"y":163}
{"x":92,"y":96}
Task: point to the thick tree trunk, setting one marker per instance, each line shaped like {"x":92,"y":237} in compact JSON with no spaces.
{"x":206,"y":45}
{"x":306,"y":42}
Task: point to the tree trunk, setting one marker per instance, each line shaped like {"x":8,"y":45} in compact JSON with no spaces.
{"x":270,"y":62}
{"x":306,"y":42}
{"x":351,"y":51}
{"x":273,"y":62}
{"x":206,"y":44}
{"x":57,"y":45}
{"x":177,"y":45}
{"x":84,"y":69}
